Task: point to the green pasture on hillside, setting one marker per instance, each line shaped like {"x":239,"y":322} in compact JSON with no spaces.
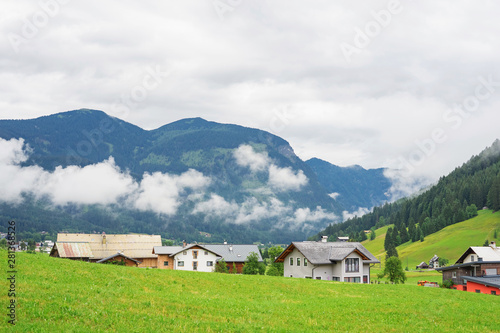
{"x":450,"y":242}
{"x":59,"y":295}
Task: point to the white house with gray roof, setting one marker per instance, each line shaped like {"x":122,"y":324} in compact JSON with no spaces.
{"x":235,"y":255}
{"x":203,"y":257}
{"x":193,"y":257}
{"x":334,"y":261}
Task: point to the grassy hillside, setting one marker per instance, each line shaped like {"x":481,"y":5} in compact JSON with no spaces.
{"x":449,"y":242}
{"x":62,"y":295}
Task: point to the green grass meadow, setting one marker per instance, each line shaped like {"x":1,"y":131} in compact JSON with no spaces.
{"x":59,"y":295}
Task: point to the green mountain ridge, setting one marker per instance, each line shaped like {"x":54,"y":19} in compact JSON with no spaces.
{"x":87,"y":137}
{"x":355,"y":187}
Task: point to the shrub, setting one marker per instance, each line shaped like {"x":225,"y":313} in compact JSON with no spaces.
{"x":447,"y":284}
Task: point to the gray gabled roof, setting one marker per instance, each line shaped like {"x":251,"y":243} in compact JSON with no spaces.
{"x":320,"y":253}
{"x":492,"y":280}
{"x":167,"y":249}
{"x":234,"y":253}
{"x":467,"y":264}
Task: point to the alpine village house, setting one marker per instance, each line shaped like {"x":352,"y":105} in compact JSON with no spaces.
{"x":335,"y":261}
{"x":477,"y":270}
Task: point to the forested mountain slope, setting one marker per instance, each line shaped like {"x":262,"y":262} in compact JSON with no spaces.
{"x":353,"y":187}
{"x":453,"y":199}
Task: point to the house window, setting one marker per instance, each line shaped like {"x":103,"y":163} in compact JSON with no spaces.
{"x":165,"y":263}
{"x":493,"y":292}
{"x":195,"y":254}
{"x":184,"y":253}
{"x":352,"y":265}
{"x":210,"y":263}
{"x":478,"y":291}
{"x":471,"y":258}
{"x":305,"y":261}
{"x":356,"y":279}
{"x":298,"y":261}
{"x":180,"y":264}
{"x":335,"y":278}
{"x":195,"y":265}
{"x":291,"y":261}
{"x":454,"y":275}
{"x":206,"y":253}
{"x":308,"y":277}
{"x":318,"y":278}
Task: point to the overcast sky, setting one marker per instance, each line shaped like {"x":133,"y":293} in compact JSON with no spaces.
{"x":409,"y":85}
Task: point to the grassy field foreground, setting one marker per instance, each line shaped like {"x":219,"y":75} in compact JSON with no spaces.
{"x":67,"y":296}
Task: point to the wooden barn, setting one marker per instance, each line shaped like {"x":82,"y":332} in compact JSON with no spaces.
{"x":134,"y":250}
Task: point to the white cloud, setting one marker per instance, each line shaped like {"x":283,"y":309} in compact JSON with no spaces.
{"x":285,"y":179}
{"x":404,"y":184}
{"x":15,"y":180}
{"x":101,"y":183}
{"x":161,"y":193}
{"x":360,"y":212}
{"x":246,"y":156}
{"x":216,"y":206}
{"x":303,"y":215}
{"x":252,"y":210}
{"x":243,"y":213}
{"x":334,"y":195}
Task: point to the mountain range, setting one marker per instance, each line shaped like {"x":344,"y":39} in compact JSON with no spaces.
{"x":192,"y":179}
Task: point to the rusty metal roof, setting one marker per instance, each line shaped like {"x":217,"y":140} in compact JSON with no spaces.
{"x":102,"y":246}
{"x":74,"y":250}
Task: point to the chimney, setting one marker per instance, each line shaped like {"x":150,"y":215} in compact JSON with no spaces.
{"x":225,"y":243}
{"x":103,"y":237}
{"x":493,"y":245}
{"x":230,"y":248}
{"x":324,"y":239}
{"x":184,"y":243}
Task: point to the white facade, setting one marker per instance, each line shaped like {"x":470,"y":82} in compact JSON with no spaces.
{"x":195,"y":259}
{"x":296,"y":265}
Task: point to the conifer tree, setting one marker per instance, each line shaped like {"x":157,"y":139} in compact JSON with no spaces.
{"x":494,"y":195}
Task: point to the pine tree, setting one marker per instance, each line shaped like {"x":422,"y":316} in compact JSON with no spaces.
{"x":404,"y":234}
{"x":388,"y":239}
{"x":494,"y":195}
{"x":391,"y":252}
{"x":396,"y":240}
